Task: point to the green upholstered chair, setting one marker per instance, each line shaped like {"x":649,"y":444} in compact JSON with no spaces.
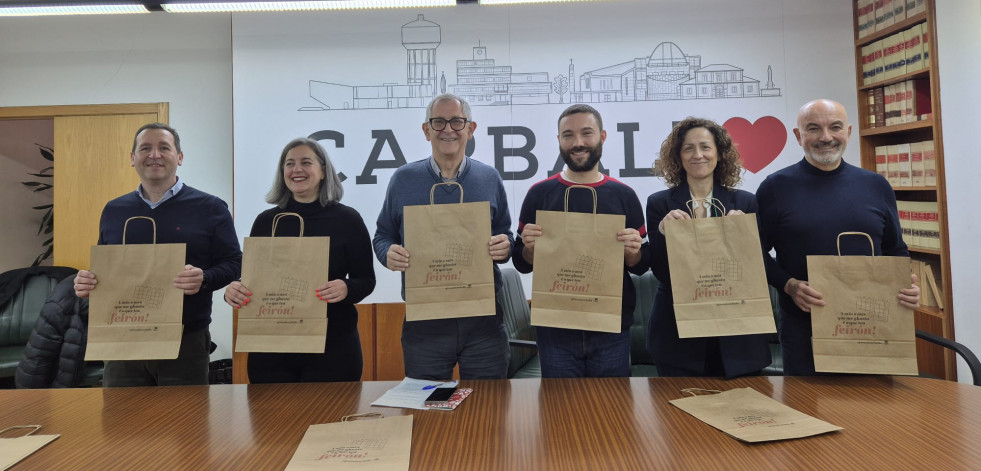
{"x":641,"y":362}
{"x":517,"y":322}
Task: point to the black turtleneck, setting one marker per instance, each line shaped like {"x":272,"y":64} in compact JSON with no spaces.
{"x":351,"y":256}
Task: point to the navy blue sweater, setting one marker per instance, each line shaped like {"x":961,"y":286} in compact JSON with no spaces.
{"x":612,"y":197}
{"x":803,"y":209}
{"x":191,"y":217}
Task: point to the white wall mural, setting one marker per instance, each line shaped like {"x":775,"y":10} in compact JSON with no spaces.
{"x":359,"y":82}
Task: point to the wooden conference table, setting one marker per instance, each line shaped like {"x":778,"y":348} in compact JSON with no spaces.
{"x":527,"y":424}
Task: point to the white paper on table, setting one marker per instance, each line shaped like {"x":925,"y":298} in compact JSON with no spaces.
{"x":411,"y":393}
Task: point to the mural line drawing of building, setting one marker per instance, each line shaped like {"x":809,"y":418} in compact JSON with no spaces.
{"x":420,"y":38}
{"x":666,"y":74}
{"x":481,"y":82}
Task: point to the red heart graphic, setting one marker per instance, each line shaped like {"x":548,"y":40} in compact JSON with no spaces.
{"x":758,"y":143}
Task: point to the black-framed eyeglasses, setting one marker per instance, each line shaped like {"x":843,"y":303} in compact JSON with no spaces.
{"x":456,"y":124}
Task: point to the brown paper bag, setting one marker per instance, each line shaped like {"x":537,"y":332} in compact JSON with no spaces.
{"x":450,"y":272}
{"x":12,"y":450}
{"x":717,"y":276}
{"x":862,"y":328}
{"x":748,"y":415}
{"x":362,"y":445}
{"x":135,"y":313}
{"x":578,"y":277}
{"x":284,"y":314}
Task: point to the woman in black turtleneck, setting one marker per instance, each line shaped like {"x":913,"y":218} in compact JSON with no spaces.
{"x":307,"y":184}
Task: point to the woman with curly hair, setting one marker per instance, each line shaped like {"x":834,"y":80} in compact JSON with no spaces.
{"x":700,"y":164}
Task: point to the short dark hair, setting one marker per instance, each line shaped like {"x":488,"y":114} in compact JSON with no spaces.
{"x":330,"y":192}
{"x":161,"y":126}
{"x":580,"y":108}
{"x":727,"y":169}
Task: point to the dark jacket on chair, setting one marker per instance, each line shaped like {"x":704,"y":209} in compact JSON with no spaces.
{"x":55,"y":353}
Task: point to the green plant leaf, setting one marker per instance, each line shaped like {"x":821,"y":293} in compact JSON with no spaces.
{"x":30,"y":183}
{"x":46,"y":152}
{"x":41,"y":175}
{"x":42,"y":187}
{"x":43,"y":206}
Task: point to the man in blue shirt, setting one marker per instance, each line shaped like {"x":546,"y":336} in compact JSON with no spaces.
{"x":182,"y":215}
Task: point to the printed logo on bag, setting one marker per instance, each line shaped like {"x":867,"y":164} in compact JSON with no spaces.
{"x":574,"y":279}
{"x":357,"y":450}
{"x":748,"y":420}
{"x":869,"y":311}
{"x":132,"y":311}
{"x":445,"y":269}
{"x":717,"y":284}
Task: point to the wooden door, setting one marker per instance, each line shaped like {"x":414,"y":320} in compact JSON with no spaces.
{"x":92,"y":166}
{"x":92,"y":145}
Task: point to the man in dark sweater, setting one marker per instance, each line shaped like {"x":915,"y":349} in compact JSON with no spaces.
{"x":430,"y":348}
{"x":571,"y":353}
{"x":805,"y":206}
{"x":183,"y":215}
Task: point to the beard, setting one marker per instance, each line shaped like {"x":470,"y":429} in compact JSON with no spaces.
{"x":594,"y":156}
{"x":826,"y":158}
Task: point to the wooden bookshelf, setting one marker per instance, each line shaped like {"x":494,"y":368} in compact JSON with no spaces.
{"x":933,"y":360}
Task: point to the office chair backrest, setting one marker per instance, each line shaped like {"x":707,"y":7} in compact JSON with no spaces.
{"x":963,"y":351}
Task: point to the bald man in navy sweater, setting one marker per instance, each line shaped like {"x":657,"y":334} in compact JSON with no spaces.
{"x":805,"y":206}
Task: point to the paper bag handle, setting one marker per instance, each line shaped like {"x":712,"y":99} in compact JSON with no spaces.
{"x":34,"y":428}
{"x":432,"y":191}
{"x":567,"y":190}
{"x":871,"y":244}
{"x":140,"y":217}
{"x":693,"y":391}
{"x":277,"y":217}
{"x":714,"y":202}
{"x":366,"y":415}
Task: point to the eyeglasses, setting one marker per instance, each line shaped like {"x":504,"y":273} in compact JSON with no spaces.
{"x":456,"y":124}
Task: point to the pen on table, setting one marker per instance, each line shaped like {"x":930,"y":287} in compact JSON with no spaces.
{"x":431,"y":386}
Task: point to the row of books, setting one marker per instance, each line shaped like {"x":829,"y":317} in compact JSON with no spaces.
{"x":931,"y":292}
{"x":900,"y":53}
{"x":920,"y":221}
{"x":877,"y":15}
{"x":913,"y":164}
{"x":899,"y":103}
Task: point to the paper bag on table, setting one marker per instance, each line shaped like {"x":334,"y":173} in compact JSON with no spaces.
{"x":12,"y":450}
{"x":359,"y":445}
{"x":748,"y":415}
